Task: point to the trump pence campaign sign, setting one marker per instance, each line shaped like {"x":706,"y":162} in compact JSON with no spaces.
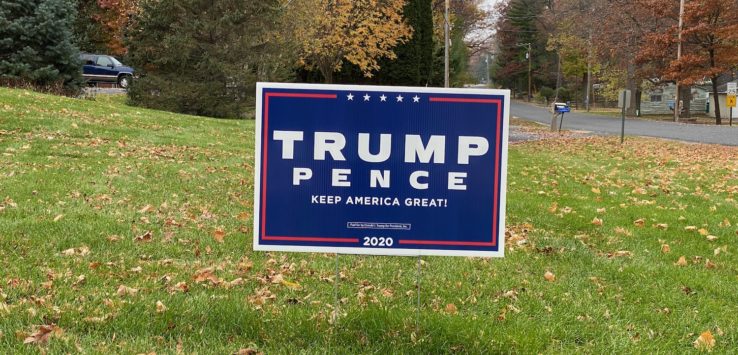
{"x":380,"y":170}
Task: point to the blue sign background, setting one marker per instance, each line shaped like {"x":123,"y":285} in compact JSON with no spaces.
{"x":469,"y":222}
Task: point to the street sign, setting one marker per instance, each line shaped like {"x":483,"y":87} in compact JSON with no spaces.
{"x":730,"y":100}
{"x":625,"y":101}
{"x":380,"y":170}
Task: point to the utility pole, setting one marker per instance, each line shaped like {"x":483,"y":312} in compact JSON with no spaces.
{"x":589,"y":72}
{"x":554,"y":116}
{"x":486,"y":61}
{"x":528,"y":55}
{"x":447,"y":40}
{"x":677,"y":99}
{"x":530,"y":81}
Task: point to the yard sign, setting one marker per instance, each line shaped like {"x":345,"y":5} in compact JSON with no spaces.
{"x":380,"y":170}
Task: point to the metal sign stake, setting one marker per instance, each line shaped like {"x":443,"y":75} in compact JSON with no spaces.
{"x":336,"y":308}
{"x":417,"y":308}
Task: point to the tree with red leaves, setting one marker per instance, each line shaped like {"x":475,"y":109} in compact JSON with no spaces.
{"x":709,"y":43}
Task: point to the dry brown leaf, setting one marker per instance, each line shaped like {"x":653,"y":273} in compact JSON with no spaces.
{"x":219,"y":235}
{"x":705,"y":342}
{"x":549,"y":276}
{"x":639,"y":222}
{"x":711,"y":238}
{"x":42,"y":335}
{"x":597,"y":221}
{"x":81,"y":251}
{"x":662,"y":226}
{"x":690,"y":228}
{"x":682,"y":261}
{"x":160,"y":307}
{"x":248,"y":351}
{"x":665,"y":248}
{"x":207,"y":274}
{"x":451,"y":309}
{"x":124,"y":290}
{"x":146,"y":237}
{"x":620,"y":254}
{"x":709,"y":264}
{"x":58,"y":217}
{"x":703,"y":231}
{"x":145,"y":209}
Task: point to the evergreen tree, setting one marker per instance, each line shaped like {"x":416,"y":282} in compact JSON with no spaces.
{"x":36,"y":43}
{"x":414,"y":63}
{"x":201,"y":57}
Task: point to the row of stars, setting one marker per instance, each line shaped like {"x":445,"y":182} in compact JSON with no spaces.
{"x":383,"y":98}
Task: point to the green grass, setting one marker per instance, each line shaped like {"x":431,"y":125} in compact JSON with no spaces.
{"x":79,"y":174}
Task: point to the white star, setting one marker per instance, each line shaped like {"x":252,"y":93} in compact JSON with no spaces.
{"x":416,"y":98}
{"x":399,"y":98}
{"x":350,"y":97}
{"x":383,"y":98}
{"x":367,"y":97}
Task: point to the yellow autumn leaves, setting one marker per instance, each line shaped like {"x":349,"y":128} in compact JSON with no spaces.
{"x":359,"y":31}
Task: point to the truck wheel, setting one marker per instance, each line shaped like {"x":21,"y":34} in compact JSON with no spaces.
{"x":124,"y":81}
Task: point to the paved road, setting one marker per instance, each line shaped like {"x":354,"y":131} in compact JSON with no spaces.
{"x":633,"y":127}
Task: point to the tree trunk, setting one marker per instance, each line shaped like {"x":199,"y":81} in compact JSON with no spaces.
{"x":718,"y":121}
{"x":326,"y":69}
{"x":631,"y":84}
{"x":685,"y":94}
{"x":637,"y":100}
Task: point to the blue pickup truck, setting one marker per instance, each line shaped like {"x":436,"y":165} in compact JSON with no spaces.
{"x":104,"y":68}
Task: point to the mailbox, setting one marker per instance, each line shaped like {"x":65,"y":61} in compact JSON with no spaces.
{"x":561,"y":107}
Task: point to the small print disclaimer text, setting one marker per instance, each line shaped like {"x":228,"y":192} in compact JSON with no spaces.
{"x":373,"y":225}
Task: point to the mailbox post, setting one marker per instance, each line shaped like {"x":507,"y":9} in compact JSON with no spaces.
{"x":561,"y":108}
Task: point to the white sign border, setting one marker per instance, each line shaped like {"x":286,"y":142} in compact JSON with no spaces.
{"x":500,"y":253}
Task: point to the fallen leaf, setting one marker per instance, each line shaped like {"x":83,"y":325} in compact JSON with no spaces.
{"x":620,"y":254}
{"x":711,"y":238}
{"x":596,"y":190}
{"x":58,"y":217}
{"x":665,"y":248}
{"x":124,"y":290}
{"x":703,"y":231}
{"x":160,"y":307}
{"x":709,"y":264}
{"x":705,"y":342}
{"x":662,"y":226}
{"x":549,"y":276}
{"x":146,"y":237}
{"x":597,"y":221}
{"x":690,"y":228}
{"x":145,"y":209}
{"x":42,"y":335}
{"x":291,"y":285}
{"x":639,"y":222}
{"x":219,"y":235}
{"x":247,"y":351}
{"x":682,"y":261}
{"x":451,"y":309}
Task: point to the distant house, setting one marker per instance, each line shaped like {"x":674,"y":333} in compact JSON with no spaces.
{"x":660,"y":100}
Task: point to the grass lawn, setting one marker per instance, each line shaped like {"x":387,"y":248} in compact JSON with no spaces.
{"x":125,"y":230}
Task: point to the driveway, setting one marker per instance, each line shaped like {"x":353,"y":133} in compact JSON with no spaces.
{"x":606,"y":125}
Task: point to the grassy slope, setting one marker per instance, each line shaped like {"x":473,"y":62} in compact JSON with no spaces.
{"x":79,"y":174}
